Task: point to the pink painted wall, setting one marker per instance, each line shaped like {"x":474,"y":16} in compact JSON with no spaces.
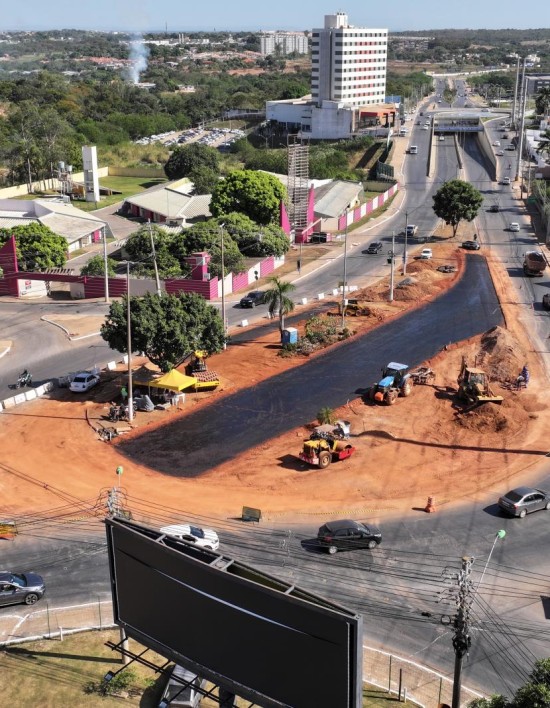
{"x":240,"y":280}
{"x":267,"y":266}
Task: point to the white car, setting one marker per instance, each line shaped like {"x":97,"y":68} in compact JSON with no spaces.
{"x":425,"y":254}
{"x":83,"y":382}
{"x":205,"y":538}
{"x":496,"y":143}
{"x":425,"y":127}
{"x":506,"y":180}
{"x":514,"y":226}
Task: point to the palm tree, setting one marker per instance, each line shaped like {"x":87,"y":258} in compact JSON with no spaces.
{"x":277,"y":300}
{"x":542,"y":101}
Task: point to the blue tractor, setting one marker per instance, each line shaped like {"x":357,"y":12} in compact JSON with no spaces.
{"x":396,"y":381}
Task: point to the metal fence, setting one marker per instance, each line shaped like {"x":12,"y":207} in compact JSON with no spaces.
{"x":404,"y":678}
{"x":46,"y":622}
{"x":401,"y":677}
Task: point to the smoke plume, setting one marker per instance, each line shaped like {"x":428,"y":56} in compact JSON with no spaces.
{"x":139,"y":53}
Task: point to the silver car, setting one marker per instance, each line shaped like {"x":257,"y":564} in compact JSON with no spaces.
{"x":523,"y":500}
{"x":20,"y":588}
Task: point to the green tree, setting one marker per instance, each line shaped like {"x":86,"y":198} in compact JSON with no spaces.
{"x":532,"y":695}
{"x":96,"y":266}
{"x":256,"y":194}
{"x":256,"y":241}
{"x":38,"y":247}
{"x":184,"y":159}
{"x":495,"y":701}
{"x":278,"y":301}
{"x":204,"y":179}
{"x":165,"y":328}
{"x":140,"y":250}
{"x":207,"y":236}
{"x":542,"y":101}
{"x":457,"y":201}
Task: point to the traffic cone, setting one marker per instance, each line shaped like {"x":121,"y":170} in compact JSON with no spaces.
{"x":430,"y":506}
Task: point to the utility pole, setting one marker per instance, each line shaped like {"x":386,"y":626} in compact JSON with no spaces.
{"x":345,"y":271}
{"x":522,"y":126}
{"x":223,"y":287}
{"x":157,"y":279}
{"x":406,"y":236}
{"x":105,"y":265}
{"x":390,"y":261}
{"x":129,"y":346}
{"x":461,"y":637}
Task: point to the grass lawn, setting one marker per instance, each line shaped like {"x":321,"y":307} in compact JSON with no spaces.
{"x":126,"y":185}
{"x":53,"y":673}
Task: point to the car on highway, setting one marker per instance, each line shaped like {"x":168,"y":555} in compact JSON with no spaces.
{"x":546,"y":301}
{"x":254,"y":298}
{"x":21,"y":588}
{"x":425,"y":127}
{"x":496,"y":143}
{"x":499,"y":153}
{"x":374,"y":247}
{"x":205,"y":538}
{"x":505,"y":136}
{"x":523,"y":500}
{"x":426,"y":254}
{"x":514,"y":226}
{"x":494,"y":208}
{"x":348,"y":535}
{"x":511,"y":147}
{"x":505,"y":180}
{"x":83,"y":382}
{"x":441,"y":137}
{"x":471,"y":245}
{"x":411,"y":230}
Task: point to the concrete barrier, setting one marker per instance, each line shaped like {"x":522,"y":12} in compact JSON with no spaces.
{"x":9,"y":403}
{"x":30,"y":395}
{"x":244,"y":323}
{"x":111,"y":366}
{"x":124,"y":359}
{"x":352,"y":288}
{"x":336,"y":291}
{"x":49,"y":386}
{"x":304,"y":301}
{"x":321,"y":296}
{"x":19,"y":398}
{"x":41,"y":390}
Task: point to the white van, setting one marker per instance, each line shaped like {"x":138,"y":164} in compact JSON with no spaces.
{"x":403,"y":132}
{"x":413,"y":150}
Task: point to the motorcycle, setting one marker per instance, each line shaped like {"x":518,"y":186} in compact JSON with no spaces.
{"x":117,"y":413}
{"x":24,"y":379}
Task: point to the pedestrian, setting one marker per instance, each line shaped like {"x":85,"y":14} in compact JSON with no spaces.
{"x":123,"y":394}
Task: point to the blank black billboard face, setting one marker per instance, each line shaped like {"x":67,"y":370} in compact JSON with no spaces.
{"x":244,"y":630}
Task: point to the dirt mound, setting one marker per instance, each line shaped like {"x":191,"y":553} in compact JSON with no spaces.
{"x":508,"y":418}
{"x":501,"y":355}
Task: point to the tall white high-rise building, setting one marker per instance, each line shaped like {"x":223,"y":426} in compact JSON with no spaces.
{"x":348,"y":64}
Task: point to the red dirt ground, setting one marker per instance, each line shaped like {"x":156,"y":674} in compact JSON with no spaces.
{"x":417,"y":448}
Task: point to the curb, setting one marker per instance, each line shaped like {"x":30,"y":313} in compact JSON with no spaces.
{"x":69,"y":336}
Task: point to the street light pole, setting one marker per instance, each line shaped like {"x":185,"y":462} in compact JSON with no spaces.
{"x":105,"y":265}
{"x":223,"y":287}
{"x":129,"y":346}
{"x":406,"y":236}
{"x":157,"y":279}
{"x":345,"y":271}
{"x":392,"y":254}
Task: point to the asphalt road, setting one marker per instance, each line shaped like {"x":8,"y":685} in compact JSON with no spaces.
{"x":44,"y":349}
{"x":252,"y":416}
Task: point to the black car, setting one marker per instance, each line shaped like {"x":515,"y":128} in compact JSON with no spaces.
{"x":20,"y":588}
{"x":471,"y":245}
{"x":346,"y":535}
{"x":494,"y":208}
{"x":523,"y":500}
{"x":546,"y":301}
{"x":375,"y":247}
{"x":256,"y":297}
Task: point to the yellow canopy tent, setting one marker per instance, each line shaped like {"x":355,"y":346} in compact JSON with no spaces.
{"x":174,"y":381}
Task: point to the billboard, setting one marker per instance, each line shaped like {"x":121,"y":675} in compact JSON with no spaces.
{"x":248,"y":632}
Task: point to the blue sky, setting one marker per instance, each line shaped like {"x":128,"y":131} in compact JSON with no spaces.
{"x":184,"y":15}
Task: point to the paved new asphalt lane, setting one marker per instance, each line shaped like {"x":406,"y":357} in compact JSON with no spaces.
{"x":247,"y":418}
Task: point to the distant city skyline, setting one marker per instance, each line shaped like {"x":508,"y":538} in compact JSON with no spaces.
{"x":249,"y":15}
